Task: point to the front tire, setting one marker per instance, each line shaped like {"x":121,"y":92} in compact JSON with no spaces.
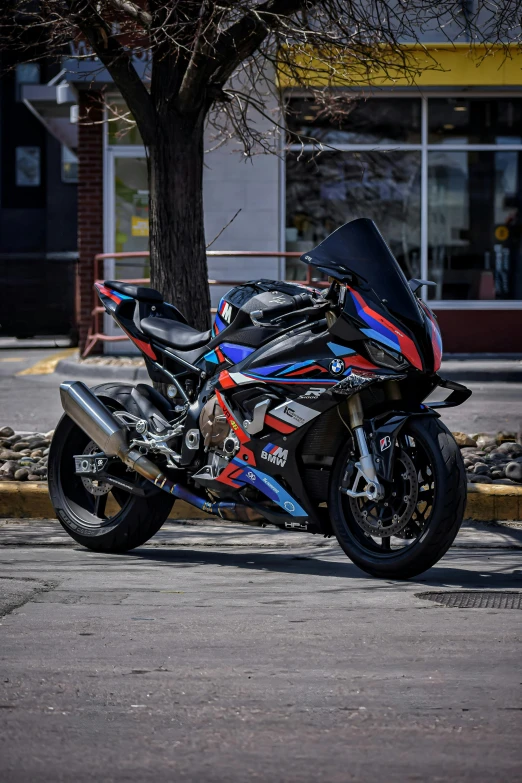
{"x":434,"y":521}
{"x":113,"y":521}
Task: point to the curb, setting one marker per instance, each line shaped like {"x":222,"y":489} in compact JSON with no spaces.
{"x":30,"y":500}
{"x":76,"y":369}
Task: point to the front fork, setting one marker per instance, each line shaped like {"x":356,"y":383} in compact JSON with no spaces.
{"x":373,"y":489}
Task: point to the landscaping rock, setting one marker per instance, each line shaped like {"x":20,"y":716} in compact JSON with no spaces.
{"x":21,"y":474}
{"x":484,"y":439}
{"x":501,"y":437}
{"x":8,"y":454}
{"x":8,"y":469}
{"x":513,"y":449}
{"x":462,"y":440}
{"x":473,"y":478}
{"x":37,"y":443}
{"x":514,"y":471}
{"x":481,"y":467}
{"x":22,"y":444}
{"x":6,"y":432}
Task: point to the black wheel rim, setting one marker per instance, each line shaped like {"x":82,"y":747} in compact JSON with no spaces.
{"x":93,"y":511}
{"x":420,"y":512}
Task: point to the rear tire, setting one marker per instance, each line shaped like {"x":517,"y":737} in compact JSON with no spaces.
{"x":438,"y":530}
{"x":130,"y":526}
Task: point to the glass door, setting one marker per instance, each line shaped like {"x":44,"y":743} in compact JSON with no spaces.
{"x":126,"y":222}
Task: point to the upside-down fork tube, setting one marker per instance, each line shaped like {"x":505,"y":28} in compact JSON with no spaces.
{"x":111,"y":436}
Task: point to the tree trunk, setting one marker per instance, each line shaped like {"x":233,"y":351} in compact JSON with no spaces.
{"x":178,"y":258}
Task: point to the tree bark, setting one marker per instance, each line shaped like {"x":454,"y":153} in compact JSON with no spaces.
{"x":178,"y":258}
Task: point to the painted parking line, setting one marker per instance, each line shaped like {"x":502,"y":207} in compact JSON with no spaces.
{"x":12,"y":359}
{"x":48,"y":365}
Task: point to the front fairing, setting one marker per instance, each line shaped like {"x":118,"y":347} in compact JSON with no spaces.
{"x":379,"y":301}
{"x":365,"y":317}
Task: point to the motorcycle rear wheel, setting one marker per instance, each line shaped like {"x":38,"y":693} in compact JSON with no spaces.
{"x":434,"y":520}
{"x":113,"y":521}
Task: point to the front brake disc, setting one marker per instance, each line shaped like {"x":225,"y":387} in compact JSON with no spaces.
{"x":389,"y":516}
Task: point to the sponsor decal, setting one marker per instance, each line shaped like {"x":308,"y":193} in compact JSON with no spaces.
{"x":336,"y":366}
{"x":270,"y":485}
{"x":289,"y":506}
{"x":294,"y":415}
{"x":275,"y":454}
{"x":385,"y":442}
{"x":312,"y":393}
{"x":251,"y":476}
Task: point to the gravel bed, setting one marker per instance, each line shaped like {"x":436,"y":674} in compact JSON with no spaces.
{"x":488,"y":458}
{"x":23,"y":455}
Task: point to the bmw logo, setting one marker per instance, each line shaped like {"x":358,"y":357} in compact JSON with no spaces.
{"x":289,"y":506}
{"x":336,"y":366}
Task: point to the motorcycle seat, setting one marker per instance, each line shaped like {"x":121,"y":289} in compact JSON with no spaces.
{"x":139,"y":292}
{"x":174,"y":333}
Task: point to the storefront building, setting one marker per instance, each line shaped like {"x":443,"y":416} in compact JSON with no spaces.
{"x":438,"y":167}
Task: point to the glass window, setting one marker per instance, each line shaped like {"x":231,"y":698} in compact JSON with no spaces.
{"x":27,"y":166}
{"x":336,"y":187}
{"x":26,"y":73}
{"x":372,"y":121}
{"x":69,"y":166}
{"x":474,"y":229}
{"x":475,"y":120}
{"x":131,"y":215}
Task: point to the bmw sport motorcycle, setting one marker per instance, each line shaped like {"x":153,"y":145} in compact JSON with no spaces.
{"x":303,"y":409}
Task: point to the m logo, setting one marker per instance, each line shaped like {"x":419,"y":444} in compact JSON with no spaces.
{"x":226,"y":312}
{"x":275,"y":454}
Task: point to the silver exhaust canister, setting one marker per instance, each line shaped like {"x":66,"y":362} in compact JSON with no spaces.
{"x":96,"y":420}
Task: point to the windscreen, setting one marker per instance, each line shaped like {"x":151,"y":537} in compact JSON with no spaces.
{"x":358,"y":248}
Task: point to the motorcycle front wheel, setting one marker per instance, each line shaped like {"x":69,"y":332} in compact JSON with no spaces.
{"x":413,"y":526}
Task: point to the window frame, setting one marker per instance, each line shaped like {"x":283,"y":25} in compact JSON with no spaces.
{"x":424,"y":148}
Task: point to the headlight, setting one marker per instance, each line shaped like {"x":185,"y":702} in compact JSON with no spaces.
{"x":384,"y":357}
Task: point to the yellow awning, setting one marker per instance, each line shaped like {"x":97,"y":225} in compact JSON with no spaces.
{"x":423,"y":65}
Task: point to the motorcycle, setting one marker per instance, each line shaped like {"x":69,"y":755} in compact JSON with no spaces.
{"x":301,"y":408}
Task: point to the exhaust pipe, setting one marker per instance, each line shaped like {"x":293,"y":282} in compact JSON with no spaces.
{"x":96,"y":420}
{"x":112,"y":437}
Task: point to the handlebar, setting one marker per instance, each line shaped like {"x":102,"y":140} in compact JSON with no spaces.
{"x":269,"y":313}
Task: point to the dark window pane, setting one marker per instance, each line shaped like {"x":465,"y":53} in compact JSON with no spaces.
{"x":474,"y":120}
{"x":372,"y":121}
{"x":336,"y":187}
{"x":474,"y":232}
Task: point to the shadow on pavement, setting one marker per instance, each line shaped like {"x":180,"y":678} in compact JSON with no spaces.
{"x":442,"y":575}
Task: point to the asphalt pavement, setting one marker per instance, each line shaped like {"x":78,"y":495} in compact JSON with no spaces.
{"x":198,"y":659}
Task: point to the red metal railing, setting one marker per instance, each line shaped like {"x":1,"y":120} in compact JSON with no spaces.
{"x":96,"y":333}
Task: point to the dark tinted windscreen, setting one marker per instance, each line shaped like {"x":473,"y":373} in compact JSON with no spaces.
{"x":358,"y":247}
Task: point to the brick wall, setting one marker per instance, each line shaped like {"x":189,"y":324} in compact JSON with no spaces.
{"x":90,"y":203}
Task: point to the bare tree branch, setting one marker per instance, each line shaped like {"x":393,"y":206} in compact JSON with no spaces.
{"x":118,"y":62}
{"x":132,"y":10}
